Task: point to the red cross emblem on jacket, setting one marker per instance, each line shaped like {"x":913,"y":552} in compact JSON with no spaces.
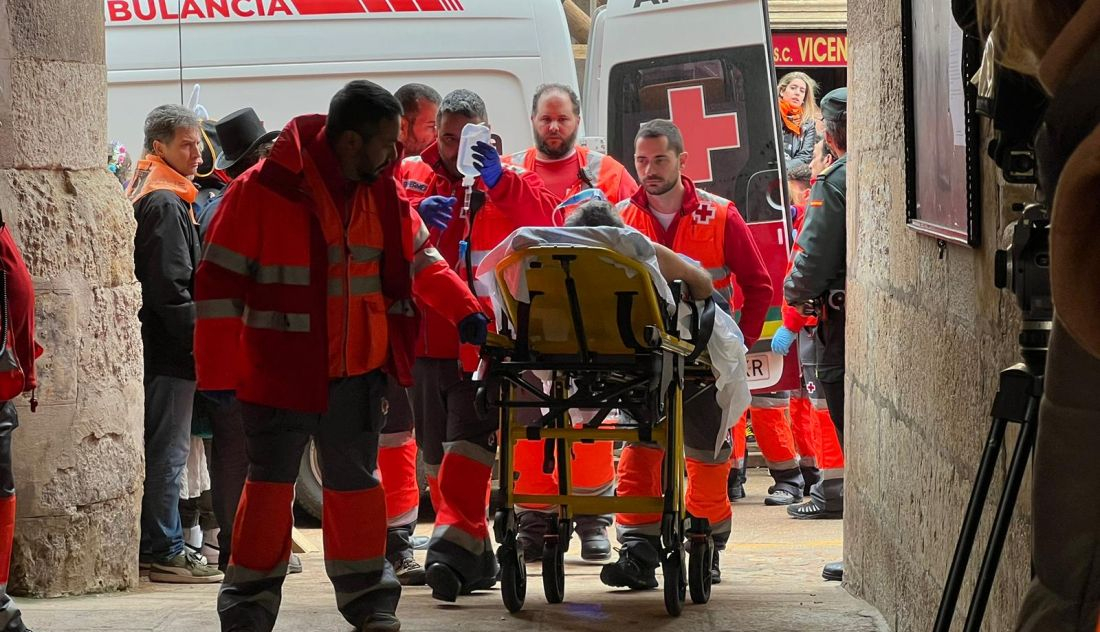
{"x":705,"y":213}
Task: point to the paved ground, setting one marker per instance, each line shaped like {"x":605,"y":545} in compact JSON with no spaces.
{"x":771,"y":583}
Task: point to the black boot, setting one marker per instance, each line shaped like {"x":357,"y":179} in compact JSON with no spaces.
{"x":735,"y":485}
{"x":833,"y":572}
{"x":636,"y":567}
{"x":715,"y":569}
{"x":595,"y":545}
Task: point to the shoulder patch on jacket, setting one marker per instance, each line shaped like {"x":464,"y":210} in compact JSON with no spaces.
{"x":415,"y":185}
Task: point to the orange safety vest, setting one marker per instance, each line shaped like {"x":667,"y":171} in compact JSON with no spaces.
{"x":700,"y":231}
{"x":357,"y":332}
{"x":597,"y":170}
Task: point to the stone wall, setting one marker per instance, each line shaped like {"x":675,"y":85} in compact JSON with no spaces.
{"x":928,"y":334}
{"x":78,"y":460}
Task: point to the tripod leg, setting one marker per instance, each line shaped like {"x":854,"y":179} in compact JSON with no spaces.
{"x":971,"y":521}
{"x":992,"y":558}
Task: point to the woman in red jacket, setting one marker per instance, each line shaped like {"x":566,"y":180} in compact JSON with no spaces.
{"x":18,"y":303}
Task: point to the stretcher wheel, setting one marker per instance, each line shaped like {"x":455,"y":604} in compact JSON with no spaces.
{"x":513,"y":577}
{"x":674,"y":583}
{"x":699,"y":563}
{"x":553,"y":570}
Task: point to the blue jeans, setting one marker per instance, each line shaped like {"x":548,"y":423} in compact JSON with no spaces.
{"x":168,"y":404}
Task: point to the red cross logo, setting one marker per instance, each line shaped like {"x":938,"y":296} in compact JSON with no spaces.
{"x":705,"y":213}
{"x":703,"y":133}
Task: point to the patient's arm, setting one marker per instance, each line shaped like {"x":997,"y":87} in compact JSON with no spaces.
{"x":673,"y":268}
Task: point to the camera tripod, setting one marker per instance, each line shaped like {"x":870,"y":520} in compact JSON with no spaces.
{"x":1017,"y":401}
{"x":1023,"y":268}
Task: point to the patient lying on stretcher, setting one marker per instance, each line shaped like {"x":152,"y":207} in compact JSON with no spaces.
{"x":596,"y":223}
{"x":708,"y":416}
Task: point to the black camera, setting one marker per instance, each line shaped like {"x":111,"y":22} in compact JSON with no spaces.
{"x":1016,"y":104}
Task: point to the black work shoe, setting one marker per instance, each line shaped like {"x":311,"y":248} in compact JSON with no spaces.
{"x":595,"y":547}
{"x":736,"y":492}
{"x":812,"y":509}
{"x":409,"y":572}
{"x":715,"y":570}
{"x":778,"y":497}
{"x":833,"y":572}
{"x":489,"y":579}
{"x":445,"y":582}
{"x":381,"y":622}
{"x":635,"y":568}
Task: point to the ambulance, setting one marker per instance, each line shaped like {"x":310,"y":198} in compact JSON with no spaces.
{"x":705,"y":64}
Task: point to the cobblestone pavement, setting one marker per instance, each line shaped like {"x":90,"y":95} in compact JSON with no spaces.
{"x":771,"y":583}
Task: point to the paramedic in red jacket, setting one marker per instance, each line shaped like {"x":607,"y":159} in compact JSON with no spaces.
{"x":672,"y":211}
{"x":304,"y":302}
{"x":459,"y":446}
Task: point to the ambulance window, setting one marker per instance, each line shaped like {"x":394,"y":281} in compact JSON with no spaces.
{"x":723,"y":102}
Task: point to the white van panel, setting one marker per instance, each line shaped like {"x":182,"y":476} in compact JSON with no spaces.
{"x":284,"y":63}
{"x":651,"y":28}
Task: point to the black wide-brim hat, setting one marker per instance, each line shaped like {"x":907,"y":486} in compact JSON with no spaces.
{"x":239,"y":134}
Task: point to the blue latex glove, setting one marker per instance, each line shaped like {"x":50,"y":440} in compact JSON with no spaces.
{"x":474,"y":329}
{"x":782,"y":340}
{"x":436,"y":211}
{"x":221,"y":398}
{"x":487,"y":162}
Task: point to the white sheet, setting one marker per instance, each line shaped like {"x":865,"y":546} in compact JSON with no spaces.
{"x":726,"y":346}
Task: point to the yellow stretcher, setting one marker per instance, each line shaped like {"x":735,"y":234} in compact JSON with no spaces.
{"x":591,"y":320}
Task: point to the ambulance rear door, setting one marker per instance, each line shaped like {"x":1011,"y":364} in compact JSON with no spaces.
{"x":706,"y":65}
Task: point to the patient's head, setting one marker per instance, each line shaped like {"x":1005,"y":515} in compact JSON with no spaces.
{"x":595,"y":213}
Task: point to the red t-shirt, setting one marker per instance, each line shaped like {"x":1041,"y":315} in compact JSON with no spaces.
{"x":559,"y":175}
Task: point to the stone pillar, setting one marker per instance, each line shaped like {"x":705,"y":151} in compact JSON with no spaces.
{"x":928,"y":335}
{"x":79,"y":459}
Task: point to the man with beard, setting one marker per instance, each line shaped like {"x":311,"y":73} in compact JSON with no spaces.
{"x":418,"y":129}
{"x":567,"y":170}
{"x":673,"y":212}
{"x":305,"y":304}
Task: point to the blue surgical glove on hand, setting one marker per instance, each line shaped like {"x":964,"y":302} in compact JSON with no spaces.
{"x":782,"y":340}
{"x":487,"y":162}
{"x":474,"y":329}
{"x":436,"y":211}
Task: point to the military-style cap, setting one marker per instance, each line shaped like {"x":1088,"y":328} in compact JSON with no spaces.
{"x":834,"y":106}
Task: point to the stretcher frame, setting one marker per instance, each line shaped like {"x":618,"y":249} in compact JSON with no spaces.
{"x":637,"y":364}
